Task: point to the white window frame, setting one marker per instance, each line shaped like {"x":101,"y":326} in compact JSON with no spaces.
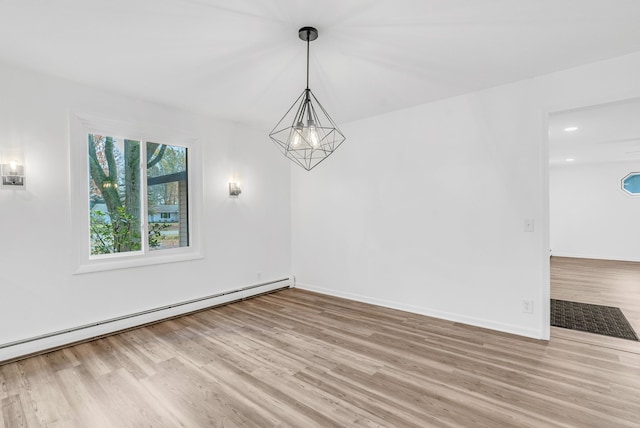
{"x":81,"y":125}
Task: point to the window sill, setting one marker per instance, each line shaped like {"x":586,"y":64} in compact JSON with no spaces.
{"x":106,"y":264}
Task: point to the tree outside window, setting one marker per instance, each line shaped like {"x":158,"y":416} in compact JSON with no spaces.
{"x":117,"y":195}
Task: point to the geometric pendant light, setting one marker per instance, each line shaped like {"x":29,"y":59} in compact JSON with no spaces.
{"x":306,"y":134}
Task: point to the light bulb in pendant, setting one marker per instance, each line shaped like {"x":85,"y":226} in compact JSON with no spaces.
{"x":13,"y":165}
{"x":295,"y":142}
{"x":297,"y":135}
{"x":312,"y":135}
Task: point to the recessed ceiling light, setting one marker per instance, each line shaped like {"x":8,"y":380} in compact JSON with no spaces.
{"x":571,"y":128}
{"x":569,"y":159}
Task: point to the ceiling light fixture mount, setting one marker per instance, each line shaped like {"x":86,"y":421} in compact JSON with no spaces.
{"x":306,"y":134}
{"x":308,"y":34}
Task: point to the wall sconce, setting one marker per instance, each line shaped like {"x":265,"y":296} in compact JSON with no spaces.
{"x":13,"y":174}
{"x":234,"y":189}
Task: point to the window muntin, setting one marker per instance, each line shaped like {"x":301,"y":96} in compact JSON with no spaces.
{"x":631,"y":184}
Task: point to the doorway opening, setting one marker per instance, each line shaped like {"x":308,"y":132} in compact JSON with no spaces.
{"x":593,"y":218}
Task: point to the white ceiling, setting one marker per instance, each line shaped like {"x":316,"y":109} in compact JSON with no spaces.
{"x":242,"y":59}
{"x":606,"y":133}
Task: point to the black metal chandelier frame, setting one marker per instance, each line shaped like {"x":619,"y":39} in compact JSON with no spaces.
{"x":306,"y":134}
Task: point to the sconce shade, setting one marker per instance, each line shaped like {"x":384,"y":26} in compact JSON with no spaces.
{"x":306,"y":134}
{"x":234,"y":189}
{"x":13,"y":176}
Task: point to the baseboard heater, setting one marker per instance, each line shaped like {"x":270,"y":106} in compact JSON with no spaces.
{"x":48,"y":342}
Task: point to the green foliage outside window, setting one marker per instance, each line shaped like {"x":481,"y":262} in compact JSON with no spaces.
{"x":115,"y":193}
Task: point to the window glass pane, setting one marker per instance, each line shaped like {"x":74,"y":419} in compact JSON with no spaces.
{"x":632,"y":184}
{"x":167,"y":196}
{"x":114,"y":195}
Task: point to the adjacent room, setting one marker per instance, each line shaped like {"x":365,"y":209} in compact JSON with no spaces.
{"x":319,"y":214}
{"x":594,"y":158}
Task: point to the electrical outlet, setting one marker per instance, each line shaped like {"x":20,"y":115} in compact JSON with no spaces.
{"x":527,"y":306}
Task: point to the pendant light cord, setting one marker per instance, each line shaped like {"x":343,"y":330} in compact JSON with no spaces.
{"x":308,"y":36}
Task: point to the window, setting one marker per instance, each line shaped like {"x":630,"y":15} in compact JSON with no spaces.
{"x":115,"y":195}
{"x":167,"y":193}
{"x":136,"y":207}
{"x":631,"y":184}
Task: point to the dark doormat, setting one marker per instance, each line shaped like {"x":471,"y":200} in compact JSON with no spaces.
{"x":606,"y":320}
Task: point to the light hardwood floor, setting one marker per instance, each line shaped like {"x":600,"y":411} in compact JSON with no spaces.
{"x":600,"y":282}
{"x":300,"y":359}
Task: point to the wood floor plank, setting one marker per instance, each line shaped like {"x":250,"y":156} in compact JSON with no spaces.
{"x":40,"y":390}
{"x":282,"y":408}
{"x":199,"y":399}
{"x":80,"y":393}
{"x":300,"y":359}
{"x":601,"y":282}
{"x":375,"y":405}
{"x":130,"y":403}
{"x":12,"y":412}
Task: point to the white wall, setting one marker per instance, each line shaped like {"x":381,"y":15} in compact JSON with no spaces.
{"x":423,"y":209}
{"x":591,"y":217}
{"x":242,"y":237}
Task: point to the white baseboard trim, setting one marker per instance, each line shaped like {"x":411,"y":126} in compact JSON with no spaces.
{"x":449,"y":316}
{"x":55,"y":340}
{"x":595,"y":257}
